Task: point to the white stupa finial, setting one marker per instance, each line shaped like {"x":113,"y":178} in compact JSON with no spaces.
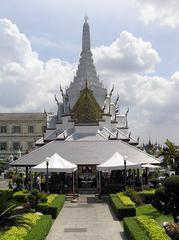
{"x":86,"y":18}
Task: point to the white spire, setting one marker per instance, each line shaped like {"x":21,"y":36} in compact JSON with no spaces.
{"x":86,"y":70}
{"x":86,"y":18}
{"x":86,"y":44}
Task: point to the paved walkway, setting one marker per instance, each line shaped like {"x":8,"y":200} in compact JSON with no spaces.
{"x":88,"y":219}
{"x":4,"y":183}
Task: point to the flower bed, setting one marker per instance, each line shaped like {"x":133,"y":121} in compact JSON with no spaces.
{"x":152,"y":228}
{"x":7,"y":192}
{"x":20,"y":196}
{"x":53,"y":205}
{"x":126,"y":201}
{"x":133,"y":230}
{"x":39,"y":228}
{"x":120,"y":209}
{"x":146,"y":196}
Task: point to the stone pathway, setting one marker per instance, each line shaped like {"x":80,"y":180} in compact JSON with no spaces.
{"x":88,"y":219}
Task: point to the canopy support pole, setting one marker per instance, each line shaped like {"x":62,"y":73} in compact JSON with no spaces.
{"x":77,"y":180}
{"x":73,"y":176}
{"x":99,"y":182}
{"x":31,"y":179}
{"x":125,"y":172}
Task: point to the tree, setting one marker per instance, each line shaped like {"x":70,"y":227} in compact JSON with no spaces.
{"x":170,"y":156}
{"x":166,"y":197}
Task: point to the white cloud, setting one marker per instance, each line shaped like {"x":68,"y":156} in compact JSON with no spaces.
{"x":163,"y":11}
{"x":127,"y":54}
{"x":152,"y":99}
{"x":26,"y":82}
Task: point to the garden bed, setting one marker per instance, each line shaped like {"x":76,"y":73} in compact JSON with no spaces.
{"x":149,"y":210}
{"x":132,"y":229}
{"x":39,"y":229}
{"x":53,"y":205}
{"x":143,"y":227}
{"x":120,"y":209}
{"x":141,"y":197}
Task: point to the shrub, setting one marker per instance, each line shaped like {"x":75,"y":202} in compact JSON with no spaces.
{"x":121,"y":210}
{"x":161,"y":194}
{"x":152,"y":228}
{"x":158,"y":205}
{"x":172,"y":184}
{"x":168,"y":197}
{"x":126,"y":201}
{"x":147,"y":196}
{"x":53,"y":208}
{"x":7,"y":193}
{"x":20,"y":232}
{"x":132,"y":229}
{"x":134,"y":196}
{"x":20,"y":196}
{"x":41,"y":229}
{"x":154,"y":181}
{"x":50,"y":198}
{"x":35,"y":197}
{"x":10,"y":213}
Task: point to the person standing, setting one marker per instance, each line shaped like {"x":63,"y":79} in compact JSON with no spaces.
{"x":38,"y":182}
{"x":11,"y":184}
{"x":43,"y":182}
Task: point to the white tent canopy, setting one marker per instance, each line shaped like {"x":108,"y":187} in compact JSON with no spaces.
{"x":55,"y":164}
{"x":148,"y":165}
{"x":116,"y":162}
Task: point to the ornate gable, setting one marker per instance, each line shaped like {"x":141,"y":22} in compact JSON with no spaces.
{"x":86,"y":109}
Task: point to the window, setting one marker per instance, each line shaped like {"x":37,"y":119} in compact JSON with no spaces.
{"x":16,"y":146}
{"x":30,"y":129}
{"x":16,"y":129}
{"x":3,"y":129}
{"x":3,"y":146}
{"x":30,"y":145}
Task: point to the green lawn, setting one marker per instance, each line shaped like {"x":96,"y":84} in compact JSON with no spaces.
{"x":149,"y":210}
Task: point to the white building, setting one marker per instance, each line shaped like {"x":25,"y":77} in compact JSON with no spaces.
{"x":87,"y":129}
{"x":19,"y":132}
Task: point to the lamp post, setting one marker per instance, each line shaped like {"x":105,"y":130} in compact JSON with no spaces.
{"x":47,"y":163}
{"x":125,"y":159}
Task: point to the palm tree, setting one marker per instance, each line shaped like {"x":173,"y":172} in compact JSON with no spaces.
{"x":11,"y":214}
{"x":170,"y":156}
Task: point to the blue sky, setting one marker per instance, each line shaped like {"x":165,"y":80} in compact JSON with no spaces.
{"x":52,"y":30}
{"x":60,"y":22}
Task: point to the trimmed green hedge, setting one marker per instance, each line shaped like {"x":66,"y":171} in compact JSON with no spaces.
{"x":54,"y":207}
{"x":20,"y":196}
{"x":147,"y":196}
{"x":7,"y":192}
{"x":41,"y":229}
{"x":37,"y":231}
{"x":132,"y":229}
{"x":121,"y":210}
{"x":152,"y":228}
{"x":126,"y":201}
